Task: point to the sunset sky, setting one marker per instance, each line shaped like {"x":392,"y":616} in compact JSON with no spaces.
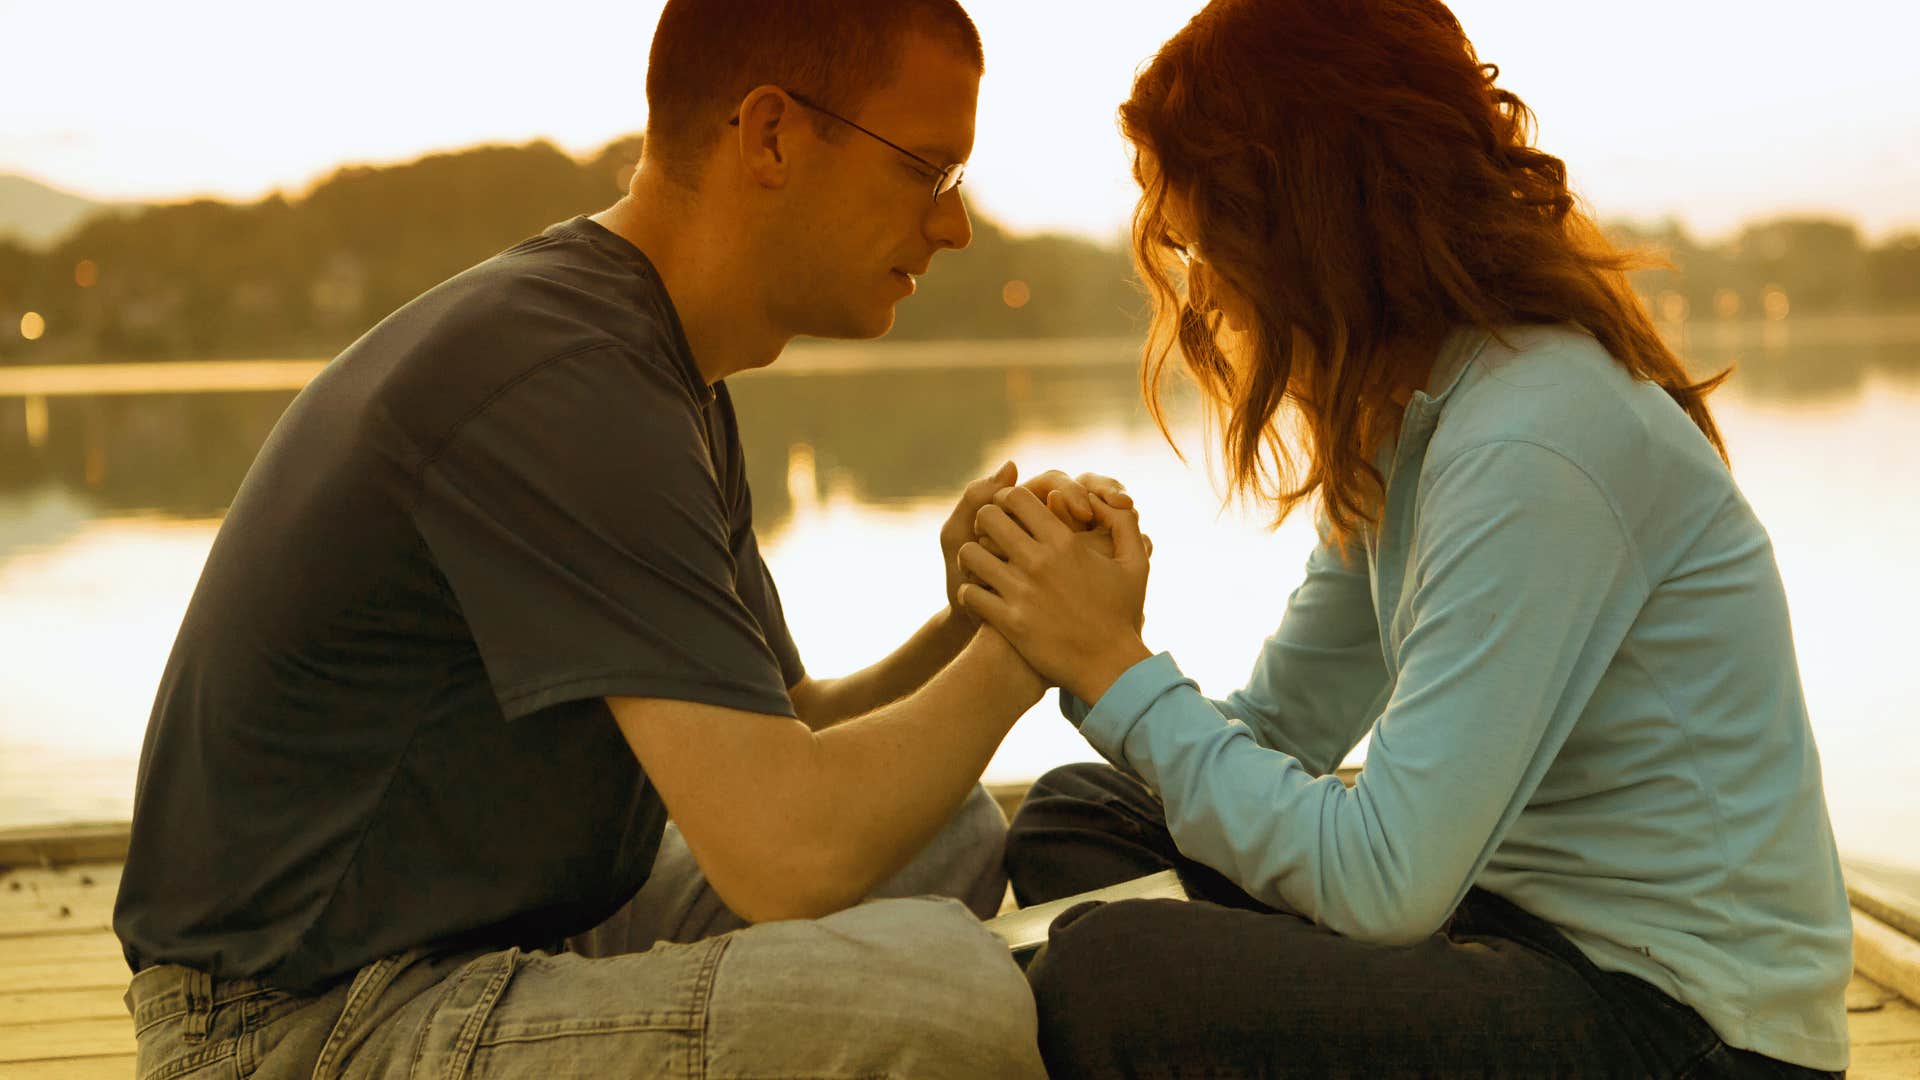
{"x":1712,"y":112}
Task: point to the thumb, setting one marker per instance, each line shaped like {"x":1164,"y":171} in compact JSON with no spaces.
{"x":1128,"y":545}
{"x":1007,"y":474}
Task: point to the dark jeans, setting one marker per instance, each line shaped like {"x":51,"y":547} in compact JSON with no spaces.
{"x":1224,"y":985}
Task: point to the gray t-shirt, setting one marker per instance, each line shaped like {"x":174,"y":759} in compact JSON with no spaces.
{"x":382,"y":725}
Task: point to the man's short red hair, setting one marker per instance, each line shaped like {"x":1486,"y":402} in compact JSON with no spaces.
{"x":707,"y":55}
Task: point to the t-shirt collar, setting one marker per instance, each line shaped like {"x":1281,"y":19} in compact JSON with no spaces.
{"x":623,"y":251}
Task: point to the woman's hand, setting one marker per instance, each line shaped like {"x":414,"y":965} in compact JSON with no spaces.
{"x":1070,"y":499}
{"x":1074,"y":612}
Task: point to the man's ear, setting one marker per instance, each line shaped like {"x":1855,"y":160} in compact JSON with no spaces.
{"x":767,"y":127}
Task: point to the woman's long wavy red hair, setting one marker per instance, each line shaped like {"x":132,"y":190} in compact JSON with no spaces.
{"x":1354,"y":173}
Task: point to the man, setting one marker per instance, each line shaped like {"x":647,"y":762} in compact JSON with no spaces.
{"x":489,"y":607}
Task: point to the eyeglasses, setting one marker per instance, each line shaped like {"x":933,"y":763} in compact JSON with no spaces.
{"x":945,"y":179}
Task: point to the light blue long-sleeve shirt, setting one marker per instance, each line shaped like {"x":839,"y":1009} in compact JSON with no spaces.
{"x":1569,"y":638}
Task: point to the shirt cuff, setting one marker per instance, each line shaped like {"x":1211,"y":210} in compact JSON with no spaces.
{"x":1108,"y":722}
{"x":1072,"y":707}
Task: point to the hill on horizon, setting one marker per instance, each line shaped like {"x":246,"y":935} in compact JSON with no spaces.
{"x":37,"y":215}
{"x":304,"y":273}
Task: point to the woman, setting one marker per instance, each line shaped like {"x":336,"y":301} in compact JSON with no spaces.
{"x":1590,"y":837}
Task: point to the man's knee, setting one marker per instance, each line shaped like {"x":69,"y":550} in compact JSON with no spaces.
{"x":984,"y":1010}
{"x":913,"y":987}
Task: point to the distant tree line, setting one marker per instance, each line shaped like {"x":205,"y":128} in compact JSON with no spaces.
{"x":303,"y":276}
{"x":1774,"y":269}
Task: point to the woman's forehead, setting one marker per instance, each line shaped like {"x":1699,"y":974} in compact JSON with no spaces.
{"x":1176,"y":212}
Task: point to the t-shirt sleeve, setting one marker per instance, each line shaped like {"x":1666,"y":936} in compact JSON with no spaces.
{"x":583,"y":534}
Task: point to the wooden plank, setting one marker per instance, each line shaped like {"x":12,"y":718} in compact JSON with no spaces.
{"x":1887,"y":1061}
{"x":29,"y":887}
{"x":98,"y":1003}
{"x":108,"y":1067}
{"x":74,"y":975}
{"x":1886,"y":895}
{"x":48,"y":846}
{"x":55,"y":949}
{"x":1865,"y":995}
{"x":81,"y":890}
{"x":34,"y":900}
{"x":60,"y":919}
{"x":22,"y":883}
{"x":1895,"y":1022}
{"x":65,"y":1039}
{"x":1886,"y":956}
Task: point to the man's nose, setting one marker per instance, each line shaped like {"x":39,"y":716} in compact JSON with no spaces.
{"x":948,"y":224}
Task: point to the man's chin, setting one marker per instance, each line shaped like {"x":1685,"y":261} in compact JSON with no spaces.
{"x":856,"y":326}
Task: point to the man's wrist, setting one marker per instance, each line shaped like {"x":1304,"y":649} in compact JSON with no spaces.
{"x":953,"y":629}
{"x":1014,"y":673}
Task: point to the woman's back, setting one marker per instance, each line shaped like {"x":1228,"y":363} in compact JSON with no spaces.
{"x":1679,"y":831}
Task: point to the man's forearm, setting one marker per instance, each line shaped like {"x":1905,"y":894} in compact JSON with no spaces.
{"x":803,"y":823}
{"x":887,"y":781}
{"x":807,"y":823}
{"x":905,"y":670}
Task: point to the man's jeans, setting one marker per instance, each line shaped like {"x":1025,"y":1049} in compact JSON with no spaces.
{"x":1227,"y":986}
{"x":904,"y":985}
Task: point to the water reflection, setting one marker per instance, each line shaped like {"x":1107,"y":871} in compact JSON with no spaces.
{"x":880,"y":433}
{"x":1813,"y":362}
{"x":180,"y":454}
{"x":885,"y":436}
{"x":1771,"y":367}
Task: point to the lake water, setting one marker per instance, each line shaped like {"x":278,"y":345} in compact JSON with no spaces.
{"x":109,"y":501}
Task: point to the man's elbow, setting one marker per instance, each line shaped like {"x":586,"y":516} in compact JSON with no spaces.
{"x":796,"y":884}
{"x":782,"y":901}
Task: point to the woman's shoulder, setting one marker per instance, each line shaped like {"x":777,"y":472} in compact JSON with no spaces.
{"x":1559,"y":388}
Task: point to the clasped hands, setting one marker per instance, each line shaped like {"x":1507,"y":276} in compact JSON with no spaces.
{"x":1057,"y":566}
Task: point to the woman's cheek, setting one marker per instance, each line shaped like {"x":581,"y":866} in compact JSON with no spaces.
{"x":1235,"y":315}
{"x":1233,"y":307}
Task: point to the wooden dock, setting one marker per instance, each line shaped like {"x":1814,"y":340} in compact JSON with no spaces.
{"x":62,"y":974}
